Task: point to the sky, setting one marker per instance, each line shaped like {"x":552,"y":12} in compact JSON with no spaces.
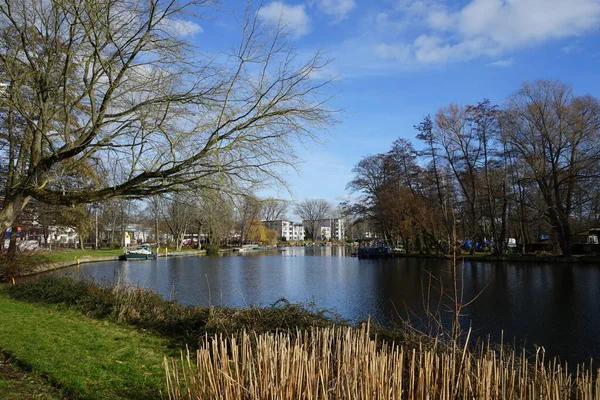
{"x":395,"y":61}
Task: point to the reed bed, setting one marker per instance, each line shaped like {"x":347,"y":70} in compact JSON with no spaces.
{"x":346,"y":363}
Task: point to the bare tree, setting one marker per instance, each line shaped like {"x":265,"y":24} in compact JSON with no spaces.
{"x":111,"y":88}
{"x":312,"y":212}
{"x":177,"y":212}
{"x":483,"y":120}
{"x":218,"y":212}
{"x":274,"y":209}
{"x":248,"y":214}
{"x":555,"y":137}
{"x":462,"y":152}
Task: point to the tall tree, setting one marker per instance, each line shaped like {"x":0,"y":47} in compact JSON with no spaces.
{"x":248,"y":214}
{"x":214,"y":216}
{"x":483,"y":122}
{"x":114,"y":86}
{"x":177,"y":212}
{"x":312,"y":212}
{"x":274,"y":209}
{"x":555,"y":137}
{"x":437,"y":175}
{"x":462,"y":152}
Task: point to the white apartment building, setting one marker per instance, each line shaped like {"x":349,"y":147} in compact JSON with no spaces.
{"x":287,"y":230}
{"x":330,"y":228}
{"x":325,"y":233}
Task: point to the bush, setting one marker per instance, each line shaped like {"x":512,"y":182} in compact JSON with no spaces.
{"x":184,"y":325}
{"x":50,"y":290}
{"x":22,"y":264}
{"x":211,"y":249}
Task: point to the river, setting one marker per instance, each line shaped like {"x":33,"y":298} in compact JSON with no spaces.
{"x":552,"y":305}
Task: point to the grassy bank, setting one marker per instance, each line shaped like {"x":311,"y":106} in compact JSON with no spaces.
{"x":30,"y":262}
{"x":85,"y":358}
{"x":183,"y":326}
{"x":18,"y":384}
{"x":73,"y":254}
{"x":102,"y":342}
{"x":285,"y":351}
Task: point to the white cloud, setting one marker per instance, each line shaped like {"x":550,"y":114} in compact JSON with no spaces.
{"x":513,"y":23}
{"x":396,"y":52}
{"x":571,"y":48}
{"x":441,"y":32}
{"x":338,"y":9}
{"x":502,"y":63}
{"x":441,"y":20}
{"x":292,"y":18}
{"x":181,"y":27}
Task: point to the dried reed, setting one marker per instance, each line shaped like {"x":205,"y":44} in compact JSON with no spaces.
{"x":345,"y":363}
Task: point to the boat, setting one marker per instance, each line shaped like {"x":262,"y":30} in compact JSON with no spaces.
{"x":143,"y":252}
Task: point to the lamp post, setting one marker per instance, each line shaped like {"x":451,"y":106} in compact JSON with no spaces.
{"x":96,"y":242}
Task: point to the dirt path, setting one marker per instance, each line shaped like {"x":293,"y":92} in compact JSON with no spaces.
{"x":20,"y":385}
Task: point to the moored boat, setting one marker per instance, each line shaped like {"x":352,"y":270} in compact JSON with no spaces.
{"x":143,"y":252}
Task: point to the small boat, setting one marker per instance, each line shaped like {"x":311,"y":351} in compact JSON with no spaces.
{"x":143,"y":252}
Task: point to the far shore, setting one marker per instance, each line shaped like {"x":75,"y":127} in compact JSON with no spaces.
{"x":579,"y":259}
{"x":77,"y":257}
{"x":83,"y":257}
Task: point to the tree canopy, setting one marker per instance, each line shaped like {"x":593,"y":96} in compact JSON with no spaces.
{"x":486,"y":173}
{"x":104,"y":98}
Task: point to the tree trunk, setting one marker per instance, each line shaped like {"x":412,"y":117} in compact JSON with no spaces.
{"x":199,"y":235}
{"x":11,"y":209}
{"x":12,"y":245}
{"x":157,"y":234}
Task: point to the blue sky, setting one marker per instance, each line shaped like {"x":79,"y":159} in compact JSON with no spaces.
{"x":399,"y":60}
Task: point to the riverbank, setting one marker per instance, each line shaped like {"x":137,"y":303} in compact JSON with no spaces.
{"x":15,"y":383}
{"x":482,"y":257}
{"x":37,"y":262}
{"x":84,"y":358}
{"x":68,"y":332}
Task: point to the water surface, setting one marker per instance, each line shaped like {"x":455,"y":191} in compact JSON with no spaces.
{"x":552,"y":305}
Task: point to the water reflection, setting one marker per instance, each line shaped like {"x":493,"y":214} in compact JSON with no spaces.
{"x":551,"y":305}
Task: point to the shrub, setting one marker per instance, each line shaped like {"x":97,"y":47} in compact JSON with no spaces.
{"x":50,"y":290}
{"x":211,"y":249}
{"x":22,"y":264}
{"x":148,"y":310}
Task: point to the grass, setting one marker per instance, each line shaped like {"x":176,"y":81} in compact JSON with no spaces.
{"x":184,"y":326}
{"x":16,"y":384}
{"x":86,"y":358}
{"x":28,"y":261}
{"x":285,"y":351}
{"x":73,"y":254}
{"x":46,"y":325}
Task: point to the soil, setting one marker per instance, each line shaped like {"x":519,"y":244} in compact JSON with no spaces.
{"x":17,"y":384}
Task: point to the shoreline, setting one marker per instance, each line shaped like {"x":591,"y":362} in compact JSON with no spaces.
{"x":53,"y":266}
{"x":583,"y":259}
{"x":69,"y":308}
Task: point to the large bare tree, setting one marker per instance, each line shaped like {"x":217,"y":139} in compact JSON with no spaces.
{"x":178,"y":214}
{"x":105,"y":98}
{"x":312,"y":212}
{"x":248,"y":214}
{"x":555,"y":138}
{"x":274,"y":209}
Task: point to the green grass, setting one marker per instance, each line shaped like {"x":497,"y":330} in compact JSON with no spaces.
{"x":88,"y":359}
{"x":72,"y":254}
{"x":17,"y":384}
{"x":180,"y":324}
